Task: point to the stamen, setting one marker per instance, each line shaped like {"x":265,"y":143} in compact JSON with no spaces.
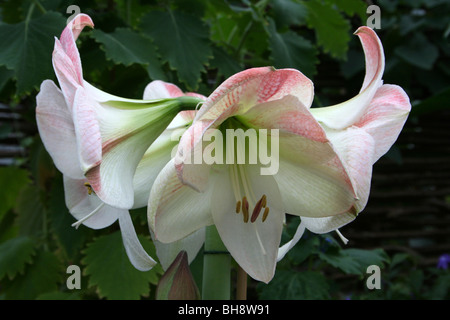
{"x":89,"y":188}
{"x":245,"y":209}
{"x":256,"y":210}
{"x":79,"y":222}
{"x":264,"y":201}
{"x":238,"y":207}
{"x":265,"y":214}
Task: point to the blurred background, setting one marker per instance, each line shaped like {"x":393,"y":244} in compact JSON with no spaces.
{"x":196,"y":45}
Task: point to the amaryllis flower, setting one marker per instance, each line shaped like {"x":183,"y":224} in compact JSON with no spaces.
{"x":57,"y":130}
{"x":325,"y":161}
{"x":361,"y":130}
{"x":112,"y":133}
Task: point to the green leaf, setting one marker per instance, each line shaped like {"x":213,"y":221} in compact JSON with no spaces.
{"x":289,"y":50}
{"x":332,"y":30}
{"x":289,"y":285}
{"x":14,"y":254}
{"x":419,"y":52}
{"x":355,"y":261}
{"x":125,"y":46}
{"x":29,"y":49}
{"x":13,"y":181}
{"x":110,"y":270}
{"x":351,"y":7}
{"x":31,"y":211}
{"x":288,"y":12}
{"x":40,"y":277}
{"x":435,"y":103}
{"x":182,"y":40}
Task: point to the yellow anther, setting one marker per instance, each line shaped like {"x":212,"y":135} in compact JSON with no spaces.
{"x":263,"y":201}
{"x":89,"y":188}
{"x":238,"y":207}
{"x":265,"y":214}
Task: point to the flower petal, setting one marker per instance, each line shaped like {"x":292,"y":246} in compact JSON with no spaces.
{"x":136,"y":253}
{"x":66,"y":58}
{"x":81,"y":204}
{"x":57,"y":130}
{"x":159,"y":90}
{"x":356,"y":147}
{"x":167,"y":252}
{"x":349,"y":112}
{"x":126,"y":135}
{"x":87,"y":130}
{"x":254,"y":245}
{"x":311,"y":176}
{"x":253,"y":86}
{"x":291,"y":243}
{"x":385,"y":117}
{"x":176,"y":210}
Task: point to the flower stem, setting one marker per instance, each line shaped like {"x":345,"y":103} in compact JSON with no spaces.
{"x":241,"y":284}
{"x":216,"y":267}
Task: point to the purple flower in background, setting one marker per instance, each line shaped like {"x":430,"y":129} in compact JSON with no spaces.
{"x":444,"y":261}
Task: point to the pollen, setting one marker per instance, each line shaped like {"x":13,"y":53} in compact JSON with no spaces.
{"x":265,"y":214}
{"x":245,"y":209}
{"x":89,"y":188}
{"x":238,"y":207}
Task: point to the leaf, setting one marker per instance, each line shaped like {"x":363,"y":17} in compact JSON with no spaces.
{"x":40,"y":277}
{"x":110,"y":270}
{"x":14,"y":255}
{"x":435,"y":103}
{"x":125,"y":46}
{"x":289,"y":50}
{"x":332,"y":30}
{"x":288,"y":285}
{"x":355,"y":261}
{"x":12,"y":180}
{"x":288,"y":12}
{"x":418,"y":51}
{"x":182,"y":40}
{"x":31,"y":211}
{"x":29,"y":49}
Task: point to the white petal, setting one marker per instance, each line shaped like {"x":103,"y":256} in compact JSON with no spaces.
{"x":192,"y":244}
{"x":81,"y":204}
{"x":327,"y":224}
{"x":136,"y":253}
{"x":349,"y":112}
{"x":313,"y":189}
{"x":291,"y":243}
{"x":57,"y":130}
{"x":254,"y":245}
{"x":176,"y":210}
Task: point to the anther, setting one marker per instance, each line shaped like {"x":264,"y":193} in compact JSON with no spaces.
{"x":264,"y":201}
{"x":265,"y":214}
{"x":238,"y":207}
{"x":89,"y":188}
{"x":256,"y":210}
{"x":245,"y":209}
